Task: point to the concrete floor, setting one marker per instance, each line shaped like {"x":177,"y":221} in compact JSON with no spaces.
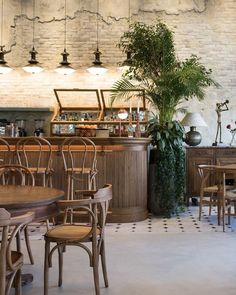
{"x":148,"y":262}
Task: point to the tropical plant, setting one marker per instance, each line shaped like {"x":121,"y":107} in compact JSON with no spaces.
{"x":167,"y":83}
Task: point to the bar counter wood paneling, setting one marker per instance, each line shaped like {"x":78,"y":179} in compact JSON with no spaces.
{"x":123,"y":162}
{"x":219,"y":155}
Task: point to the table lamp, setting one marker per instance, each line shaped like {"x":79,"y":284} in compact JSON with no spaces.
{"x":193,"y":137}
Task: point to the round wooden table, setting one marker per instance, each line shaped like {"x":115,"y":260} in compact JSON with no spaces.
{"x":21,"y":199}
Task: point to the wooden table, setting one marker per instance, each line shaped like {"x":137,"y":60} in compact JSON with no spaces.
{"x":221,"y":172}
{"x":21,"y":199}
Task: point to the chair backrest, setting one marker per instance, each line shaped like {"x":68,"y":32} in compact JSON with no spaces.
{"x":10,"y":228}
{"x":38,"y":157}
{"x":205,"y":172}
{"x":96,"y":205}
{"x":5,"y":152}
{"x":79,"y":152}
{"x":16,"y":174}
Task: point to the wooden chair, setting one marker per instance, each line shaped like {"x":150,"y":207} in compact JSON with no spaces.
{"x":6,"y":155}
{"x":81,"y":235}
{"x":209,"y":193}
{"x":38,"y":159}
{"x":18,"y":175}
{"x":11,"y":261}
{"x":79,"y":160}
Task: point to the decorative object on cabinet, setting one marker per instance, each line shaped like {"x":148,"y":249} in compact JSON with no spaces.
{"x":4,"y":68}
{"x":64,"y":68}
{"x":193,"y":137}
{"x":233,"y":133}
{"x":220,"y":107}
{"x":33,"y":66}
{"x":167,"y":82}
{"x":71,"y":117}
{"x":97,"y":68}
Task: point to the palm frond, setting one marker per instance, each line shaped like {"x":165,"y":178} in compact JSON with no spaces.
{"x":123,"y":90}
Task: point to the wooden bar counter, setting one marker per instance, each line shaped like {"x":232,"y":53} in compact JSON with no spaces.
{"x":123,"y":162}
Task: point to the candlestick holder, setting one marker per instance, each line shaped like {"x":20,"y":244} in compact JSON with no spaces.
{"x":137,"y":128}
{"x":130,"y":128}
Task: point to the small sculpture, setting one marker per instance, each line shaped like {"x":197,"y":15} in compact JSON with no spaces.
{"x":220,"y":107}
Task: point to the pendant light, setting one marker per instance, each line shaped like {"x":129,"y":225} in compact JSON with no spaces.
{"x":33,"y":66}
{"x":127,"y":63}
{"x":97,"y":68}
{"x":4,"y":68}
{"x":65,"y":68}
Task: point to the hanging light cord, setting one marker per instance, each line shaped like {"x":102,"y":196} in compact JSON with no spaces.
{"x":33,"y":21}
{"x":129,"y":11}
{"x":2,"y":24}
{"x":65,"y":28}
{"x":97,"y":21}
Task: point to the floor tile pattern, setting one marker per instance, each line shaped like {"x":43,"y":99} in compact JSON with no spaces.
{"x":184,"y":222}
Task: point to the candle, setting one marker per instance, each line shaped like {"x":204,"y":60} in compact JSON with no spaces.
{"x":138,"y":107}
{"x":130,"y":107}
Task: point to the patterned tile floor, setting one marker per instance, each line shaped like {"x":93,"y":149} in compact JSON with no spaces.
{"x":184,"y":222}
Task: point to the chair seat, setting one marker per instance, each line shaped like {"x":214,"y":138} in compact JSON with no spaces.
{"x":70,"y":232}
{"x":79,"y":170}
{"x":231,"y":195}
{"x":40,"y":170}
{"x":214,"y":188}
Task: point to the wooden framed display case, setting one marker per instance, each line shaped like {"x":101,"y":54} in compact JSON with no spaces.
{"x":76,"y":108}
{"x":134,"y":104}
{"x":94,"y":113}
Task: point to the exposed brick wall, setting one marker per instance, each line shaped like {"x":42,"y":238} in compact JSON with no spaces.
{"x":204,"y":28}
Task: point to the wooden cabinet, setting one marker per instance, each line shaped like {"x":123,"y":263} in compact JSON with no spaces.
{"x":205,"y":155}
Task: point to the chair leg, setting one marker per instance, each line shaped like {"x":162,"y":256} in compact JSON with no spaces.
{"x":200,"y":204}
{"x":104,"y":267}
{"x":96,"y":274}
{"x":60,"y":264}
{"x":17,"y":281}
{"x":210,"y":203}
{"x":46,"y":266}
{"x":27,"y":242}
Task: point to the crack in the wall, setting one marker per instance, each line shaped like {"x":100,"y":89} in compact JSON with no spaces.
{"x":110,"y":18}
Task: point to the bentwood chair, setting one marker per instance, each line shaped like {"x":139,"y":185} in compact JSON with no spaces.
{"x":38,"y":159}
{"x":18,"y":175}
{"x":79,"y":160}
{"x":11,"y":261}
{"x":89,"y":236}
{"x":209,"y":193}
{"x":6,"y":154}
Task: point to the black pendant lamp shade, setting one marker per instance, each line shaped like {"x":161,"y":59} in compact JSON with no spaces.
{"x":33,"y":66}
{"x":4,"y":68}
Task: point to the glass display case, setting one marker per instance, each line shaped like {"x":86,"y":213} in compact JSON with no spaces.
{"x":83,"y":112}
{"x":134,"y":104}
{"x":77,"y":109}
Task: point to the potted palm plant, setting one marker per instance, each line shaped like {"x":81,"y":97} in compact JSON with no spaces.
{"x":167,"y":82}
